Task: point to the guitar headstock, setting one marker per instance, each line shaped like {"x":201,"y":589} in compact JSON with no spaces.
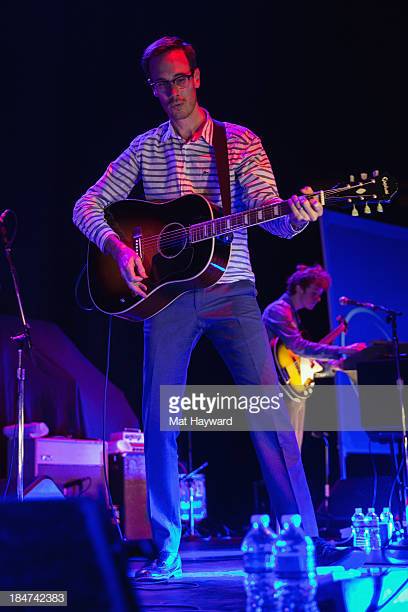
{"x":364,"y":190}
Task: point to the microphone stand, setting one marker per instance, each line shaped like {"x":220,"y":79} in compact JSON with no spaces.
{"x":189,"y":478}
{"x":392,"y":319}
{"x":324,"y":436}
{"x":22,"y":341}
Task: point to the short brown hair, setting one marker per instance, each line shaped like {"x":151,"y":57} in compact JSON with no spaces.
{"x":308,"y":275}
{"x":165,"y":44}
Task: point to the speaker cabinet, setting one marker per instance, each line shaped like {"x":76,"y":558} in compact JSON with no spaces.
{"x":127,"y":478}
{"x":76,"y":466}
{"x":351,"y":493}
{"x":64,"y":545}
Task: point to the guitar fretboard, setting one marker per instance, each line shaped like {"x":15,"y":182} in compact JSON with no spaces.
{"x":236,"y":221}
{"x":378,"y":189}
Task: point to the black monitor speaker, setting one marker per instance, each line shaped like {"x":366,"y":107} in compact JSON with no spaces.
{"x":64,"y":545}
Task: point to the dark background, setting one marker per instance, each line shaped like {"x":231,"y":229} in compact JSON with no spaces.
{"x":321,"y":83}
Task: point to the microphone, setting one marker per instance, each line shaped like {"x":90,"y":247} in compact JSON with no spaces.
{"x":346,"y":301}
{"x":4,"y":215}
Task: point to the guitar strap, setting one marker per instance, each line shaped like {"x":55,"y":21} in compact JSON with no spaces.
{"x":221,"y":159}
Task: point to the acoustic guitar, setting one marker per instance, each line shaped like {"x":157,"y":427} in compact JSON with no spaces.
{"x":185,"y":243}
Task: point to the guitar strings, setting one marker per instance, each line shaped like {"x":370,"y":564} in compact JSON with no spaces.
{"x":173,"y":237}
{"x":178,"y":234}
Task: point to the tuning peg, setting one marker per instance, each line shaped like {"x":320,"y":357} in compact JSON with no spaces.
{"x":364,"y":176}
{"x":375,"y":173}
{"x":380,"y":208}
{"x":354,"y":212}
{"x":367,"y":210}
{"x":352,"y":178}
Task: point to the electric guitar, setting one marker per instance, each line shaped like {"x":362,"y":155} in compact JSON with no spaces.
{"x":297,"y":373}
{"x":185,"y":243}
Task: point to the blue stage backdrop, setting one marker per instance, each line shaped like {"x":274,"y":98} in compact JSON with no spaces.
{"x":367,"y":260}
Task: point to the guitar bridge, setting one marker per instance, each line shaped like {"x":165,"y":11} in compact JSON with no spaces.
{"x":137,"y":241}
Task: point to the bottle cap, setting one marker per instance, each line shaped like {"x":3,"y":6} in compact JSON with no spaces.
{"x":291,"y":519}
{"x":358,"y":510}
{"x":260,"y":519}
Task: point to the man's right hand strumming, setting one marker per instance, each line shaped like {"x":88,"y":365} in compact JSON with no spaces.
{"x":130,"y":265}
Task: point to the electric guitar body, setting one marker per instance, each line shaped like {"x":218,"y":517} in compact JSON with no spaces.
{"x":297,"y":373}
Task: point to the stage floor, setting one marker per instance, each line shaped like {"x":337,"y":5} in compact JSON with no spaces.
{"x":213,"y":581}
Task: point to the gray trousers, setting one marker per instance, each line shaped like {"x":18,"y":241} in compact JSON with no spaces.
{"x":296,"y":412}
{"x":228,"y":314}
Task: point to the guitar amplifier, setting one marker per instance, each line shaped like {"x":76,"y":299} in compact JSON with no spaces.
{"x":127,"y":478}
{"x":76,"y":466}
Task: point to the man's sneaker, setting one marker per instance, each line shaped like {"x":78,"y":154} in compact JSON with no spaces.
{"x":166,"y":566}
{"x":327,"y":554}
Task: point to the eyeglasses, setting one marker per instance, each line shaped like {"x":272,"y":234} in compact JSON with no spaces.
{"x":164,"y":86}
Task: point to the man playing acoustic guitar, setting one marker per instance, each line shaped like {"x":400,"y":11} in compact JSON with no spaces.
{"x":304,"y":290}
{"x":171,"y":160}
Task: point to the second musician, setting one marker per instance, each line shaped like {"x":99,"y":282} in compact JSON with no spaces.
{"x":304,"y":290}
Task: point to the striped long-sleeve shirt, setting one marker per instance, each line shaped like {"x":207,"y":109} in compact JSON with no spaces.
{"x":170,"y":167}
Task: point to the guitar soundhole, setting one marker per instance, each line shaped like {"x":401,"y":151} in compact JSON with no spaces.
{"x":172,"y":240}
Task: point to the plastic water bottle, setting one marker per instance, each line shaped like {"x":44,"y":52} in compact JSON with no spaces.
{"x":258,"y":547}
{"x":358,"y":528}
{"x":295,"y":570}
{"x":387,"y":518}
{"x":372,"y":531}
